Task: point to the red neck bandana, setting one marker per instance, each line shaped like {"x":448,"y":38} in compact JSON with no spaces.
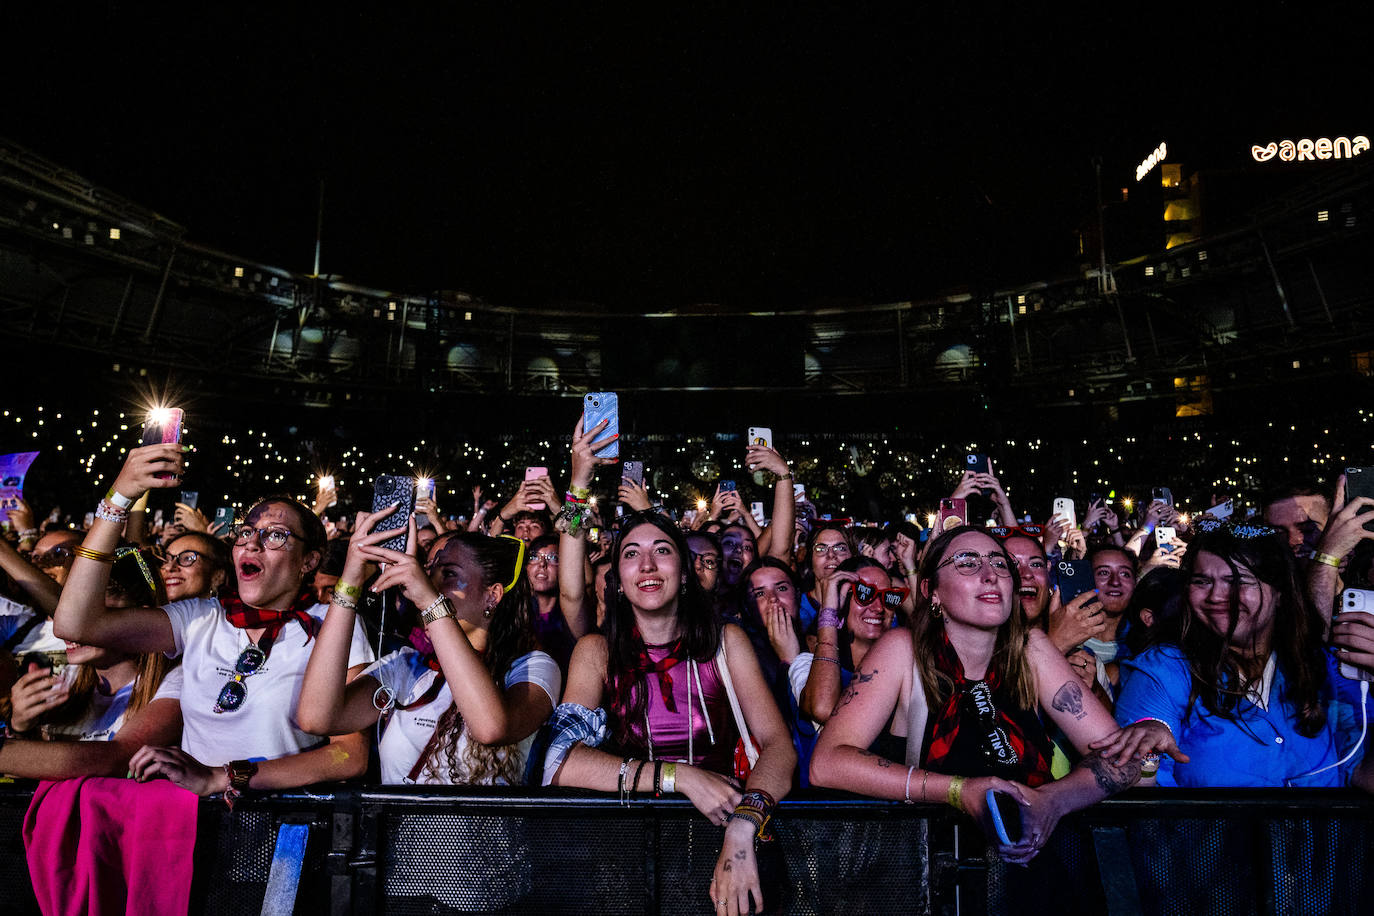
{"x":246,"y":617}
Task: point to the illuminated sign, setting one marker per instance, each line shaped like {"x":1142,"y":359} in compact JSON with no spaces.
{"x":1311,"y":150}
{"x":1152,"y":160}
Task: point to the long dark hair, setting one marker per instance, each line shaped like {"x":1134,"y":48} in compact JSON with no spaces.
{"x":1009,"y":652}
{"x":808,"y":571}
{"x":1219,"y":680}
{"x":845,"y":644}
{"x":509,"y":636}
{"x":698,"y":626}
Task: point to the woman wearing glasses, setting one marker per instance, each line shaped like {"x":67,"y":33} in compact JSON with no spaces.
{"x":243,"y":655}
{"x":1240,"y":689}
{"x":966,"y":689}
{"x":465,"y":700}
{"x":826,"y":549}
{"x":88,"y":719}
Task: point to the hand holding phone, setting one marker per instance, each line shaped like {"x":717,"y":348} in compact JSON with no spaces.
{"x":534,"y":473}
{"x":1005,"y":812}
{"x":1346,"y":632}
{"x":598,"y":406}
{"x":391,"y":489}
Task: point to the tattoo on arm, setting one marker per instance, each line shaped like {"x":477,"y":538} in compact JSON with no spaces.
{"x":852,"y":690}
{"x":882,"y":761}
{"x":1069,"y":699}
{"x":1110,"y":777}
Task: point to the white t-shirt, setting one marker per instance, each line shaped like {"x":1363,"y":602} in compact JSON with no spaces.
{"x":264,"y":726}
{"x":14,"y":615}
{"x":409,"y":730}
{"x":106,"y":715}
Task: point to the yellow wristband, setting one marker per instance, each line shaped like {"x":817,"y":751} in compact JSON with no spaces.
{"x":955,"y":795}
{"x":348,"y":588}
{"x":1327,"y":559}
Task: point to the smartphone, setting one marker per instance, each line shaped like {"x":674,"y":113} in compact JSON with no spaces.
{"x":1063,"y":505}
{"x":41,"y":659}
{"x":634,"y":472}
{"x":388,"y":489}
{"x":594,"y":535}
{"x":1162,"y":495}
{"x":952,"y":514}
{"x":760,"y":435}
{"x":1223,"y":509}
{"x":598,"y":406}
{"x":327,"y":483}
{"x":1356,"y":601}
{"x":977,"y":464}
{"x":534,"y":474}
{"x":424,"y":488}
{"x":88,"y":521}
{"x":224,"y":517}
{"x":1006,"y":816}
{"x":1166,"y":537}
{"x":756,"y":509}
{"x":1074,"y":577}
{"x":798,"y":492}
{"x":728,"y":486}
{"x":1360,"y":482}
{"x":163,"y":426}
{"x":190,"y":497}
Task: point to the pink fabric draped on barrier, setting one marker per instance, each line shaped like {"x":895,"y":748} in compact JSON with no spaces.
{"x":104,"y":846}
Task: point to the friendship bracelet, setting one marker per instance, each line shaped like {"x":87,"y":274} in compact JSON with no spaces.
{"x":1160,"y":721}
{"x":110,"y":513}
{"x":1327,"y":559}
{"x":828,"y":617}
{"x":81,"y":550}
{"x":343,"y":601}
{"x":909,"y":770}
{"x":658,"y":779}
{"x":634,"y":783}
{"x":347,"y":588}
{"x":955,"y":796}
{"x":825,"y":658}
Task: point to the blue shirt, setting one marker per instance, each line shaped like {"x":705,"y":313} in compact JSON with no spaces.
{"x":1262,"y":748}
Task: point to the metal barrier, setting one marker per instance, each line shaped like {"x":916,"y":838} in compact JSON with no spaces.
{"x":407,"y":850}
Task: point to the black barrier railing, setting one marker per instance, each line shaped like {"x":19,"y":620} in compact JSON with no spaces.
{"x":411,"y":850}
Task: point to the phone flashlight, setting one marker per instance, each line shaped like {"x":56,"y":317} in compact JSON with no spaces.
{"x":701,"y":505}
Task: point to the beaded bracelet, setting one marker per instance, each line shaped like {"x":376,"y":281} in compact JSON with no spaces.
{"x":111,"y":513}
{"x":343,"y":601}
{"x":828,"y":617}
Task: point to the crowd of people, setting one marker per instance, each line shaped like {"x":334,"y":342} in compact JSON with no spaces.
{"x":1016,"y":671}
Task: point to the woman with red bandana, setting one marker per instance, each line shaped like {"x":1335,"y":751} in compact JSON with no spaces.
{"x":244,"y":655}
{"x":648,"y":710}
{"x":966,"y":688}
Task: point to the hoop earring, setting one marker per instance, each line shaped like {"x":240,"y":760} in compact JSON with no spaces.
{"x":935,"y":608}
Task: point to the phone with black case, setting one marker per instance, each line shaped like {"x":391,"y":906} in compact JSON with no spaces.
{"x":1074,"y":577}
{"x":1360,"y":482}
{"x":388,"y":489}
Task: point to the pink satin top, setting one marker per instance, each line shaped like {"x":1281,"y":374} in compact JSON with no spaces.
{"x":668,"y":730}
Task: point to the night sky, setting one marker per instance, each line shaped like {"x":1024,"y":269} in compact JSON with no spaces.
{"x":648,"y":160}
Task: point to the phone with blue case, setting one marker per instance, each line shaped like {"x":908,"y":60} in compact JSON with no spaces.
{"x":1006,"y":816}
{"x":598,"y":406}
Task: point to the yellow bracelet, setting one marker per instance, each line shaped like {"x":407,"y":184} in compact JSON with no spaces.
{"x":87,"y":553}
{"x":955,"y":796}
{"x":1327,"y":559}
{"x":348,"y":588}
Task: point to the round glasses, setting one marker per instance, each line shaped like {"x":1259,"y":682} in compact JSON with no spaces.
{"x":969,"y":563}
{"x":548,"y":558}
{"x":834,"y":550}
{"x":186,"y":559}
{"x":270,"y":538}
{"x":707,"y":561}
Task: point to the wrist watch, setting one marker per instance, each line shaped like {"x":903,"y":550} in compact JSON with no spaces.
{"x":438,"y":609}
{"x":239,"y":773}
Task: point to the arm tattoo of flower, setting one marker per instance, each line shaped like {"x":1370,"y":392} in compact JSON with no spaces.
{"x":1069,"y":699}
